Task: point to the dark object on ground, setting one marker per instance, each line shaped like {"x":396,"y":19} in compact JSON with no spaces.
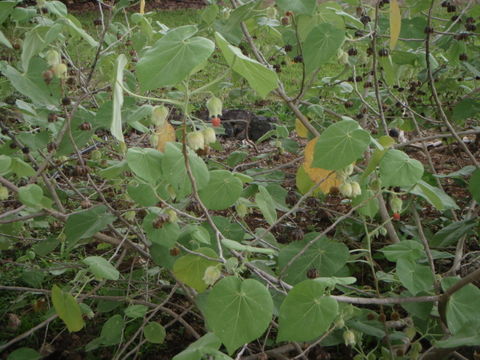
{"x":238,"y":123}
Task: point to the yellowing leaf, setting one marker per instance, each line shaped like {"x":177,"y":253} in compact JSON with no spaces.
{"x":395,"y":23}
{"x":142,"y":6}
{"x":301,"y":130}
{"x":318,"y":174}
{"x":164,"y":135}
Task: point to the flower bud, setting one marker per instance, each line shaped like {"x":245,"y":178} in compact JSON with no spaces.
{"x":209,"y":135}
{"x":271,"y":12}
{"x":159,"y":115}
{"x":349,"y":169}
{"x":212,"y":274}
{"x":130,"y":215}
{"x":3,"y":193}
{"x":242,"y":210}
{"x":356,"y":190}
{"x":53,"y":58}
{"x":396,"y":204}
{"x":349,"y":338}
{"x":195,"y":140}
{"x":214,"y":106}
{"x":172,"y":216}
{"x":60,"y":70}
{"x":342,"y":57}
{"x":346,"y":189}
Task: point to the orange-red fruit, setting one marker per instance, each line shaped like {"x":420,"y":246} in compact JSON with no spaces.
{"x":396,"y":216}
{"x":216,"y":121}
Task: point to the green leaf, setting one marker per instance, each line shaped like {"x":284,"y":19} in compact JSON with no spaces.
{"x":467,"y":335}
{"x":306,"y":7}
{"x":136,"y":311}
{"x":31,"y":195}
{"x":261,"y":79}
{"x":24,"y":353}
{"x":208,"y":344}
{"x":31,"y":84}
{"x":371,"y":206}
{"x":451,"y":233}
{"x":36,"y":40}
{"x":474,"y":185}
{"x":465,"y":109}
{"x":6,"y":8}
{"x":405,"y":249}
{"x":461,"y":307}
{"x":4,"y":40}
{"x":86,"y":223}
{"x":67,"y":309}
{"x":21,"y":168}
{"x":154,"y":332}
{"x":75,"y":27}
{"x":234,"y":245}
{"x":145,"y":163}
{"x":434,"y":195}
{"x":306,"y":313}
{"x":101,"y":268}
{"x":238,"y":311}
{"x":325,"y":255}
{"x":112,"y":330}
{"x":175,"y":173}
{"x":116,"y":124}
{"x":172,"y":58}
{"x":190,"y":268}
{"x":142,"y":194}
{"x":398,"y":169}
{"x":415,"y":277}
{"x":266,"y":204}
{"x":5,"y":162}
{"x":340,"y":145}
{"x":222,"y":190}
{"x":321,"y":44}
{"x":209,"y":14}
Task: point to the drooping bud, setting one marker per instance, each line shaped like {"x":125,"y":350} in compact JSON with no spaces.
{"x":195,"y":140}
{"x":53,"y":58}
{"x":172,"y":216}
{"x":214,"y":106}
{"x":396,"y":204}
{"x":342,"y":57}
{"x":356,"y":190}
{"x":349,"y":338}
{"x":242,"y":210}
{"x":346,"y":189}
{"x":211,"y":275}
{"x":159,"y":115}
{"x":209,"y":135}
{"x":3,"y":193}
{"x":271,"y":12}
{"x":60,"y":70}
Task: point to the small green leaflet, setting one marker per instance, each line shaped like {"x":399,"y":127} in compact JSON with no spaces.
{"x":154,"y":332}
{"x":266,"y":204}
{"x":190,"y":268}
{"x":340,"y":145}
{"x":67,"y":309}
{"x":86,"y":223}
{"x":116,"y":124}
{"x":261,"y":79}
{"x":101,"y":268}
